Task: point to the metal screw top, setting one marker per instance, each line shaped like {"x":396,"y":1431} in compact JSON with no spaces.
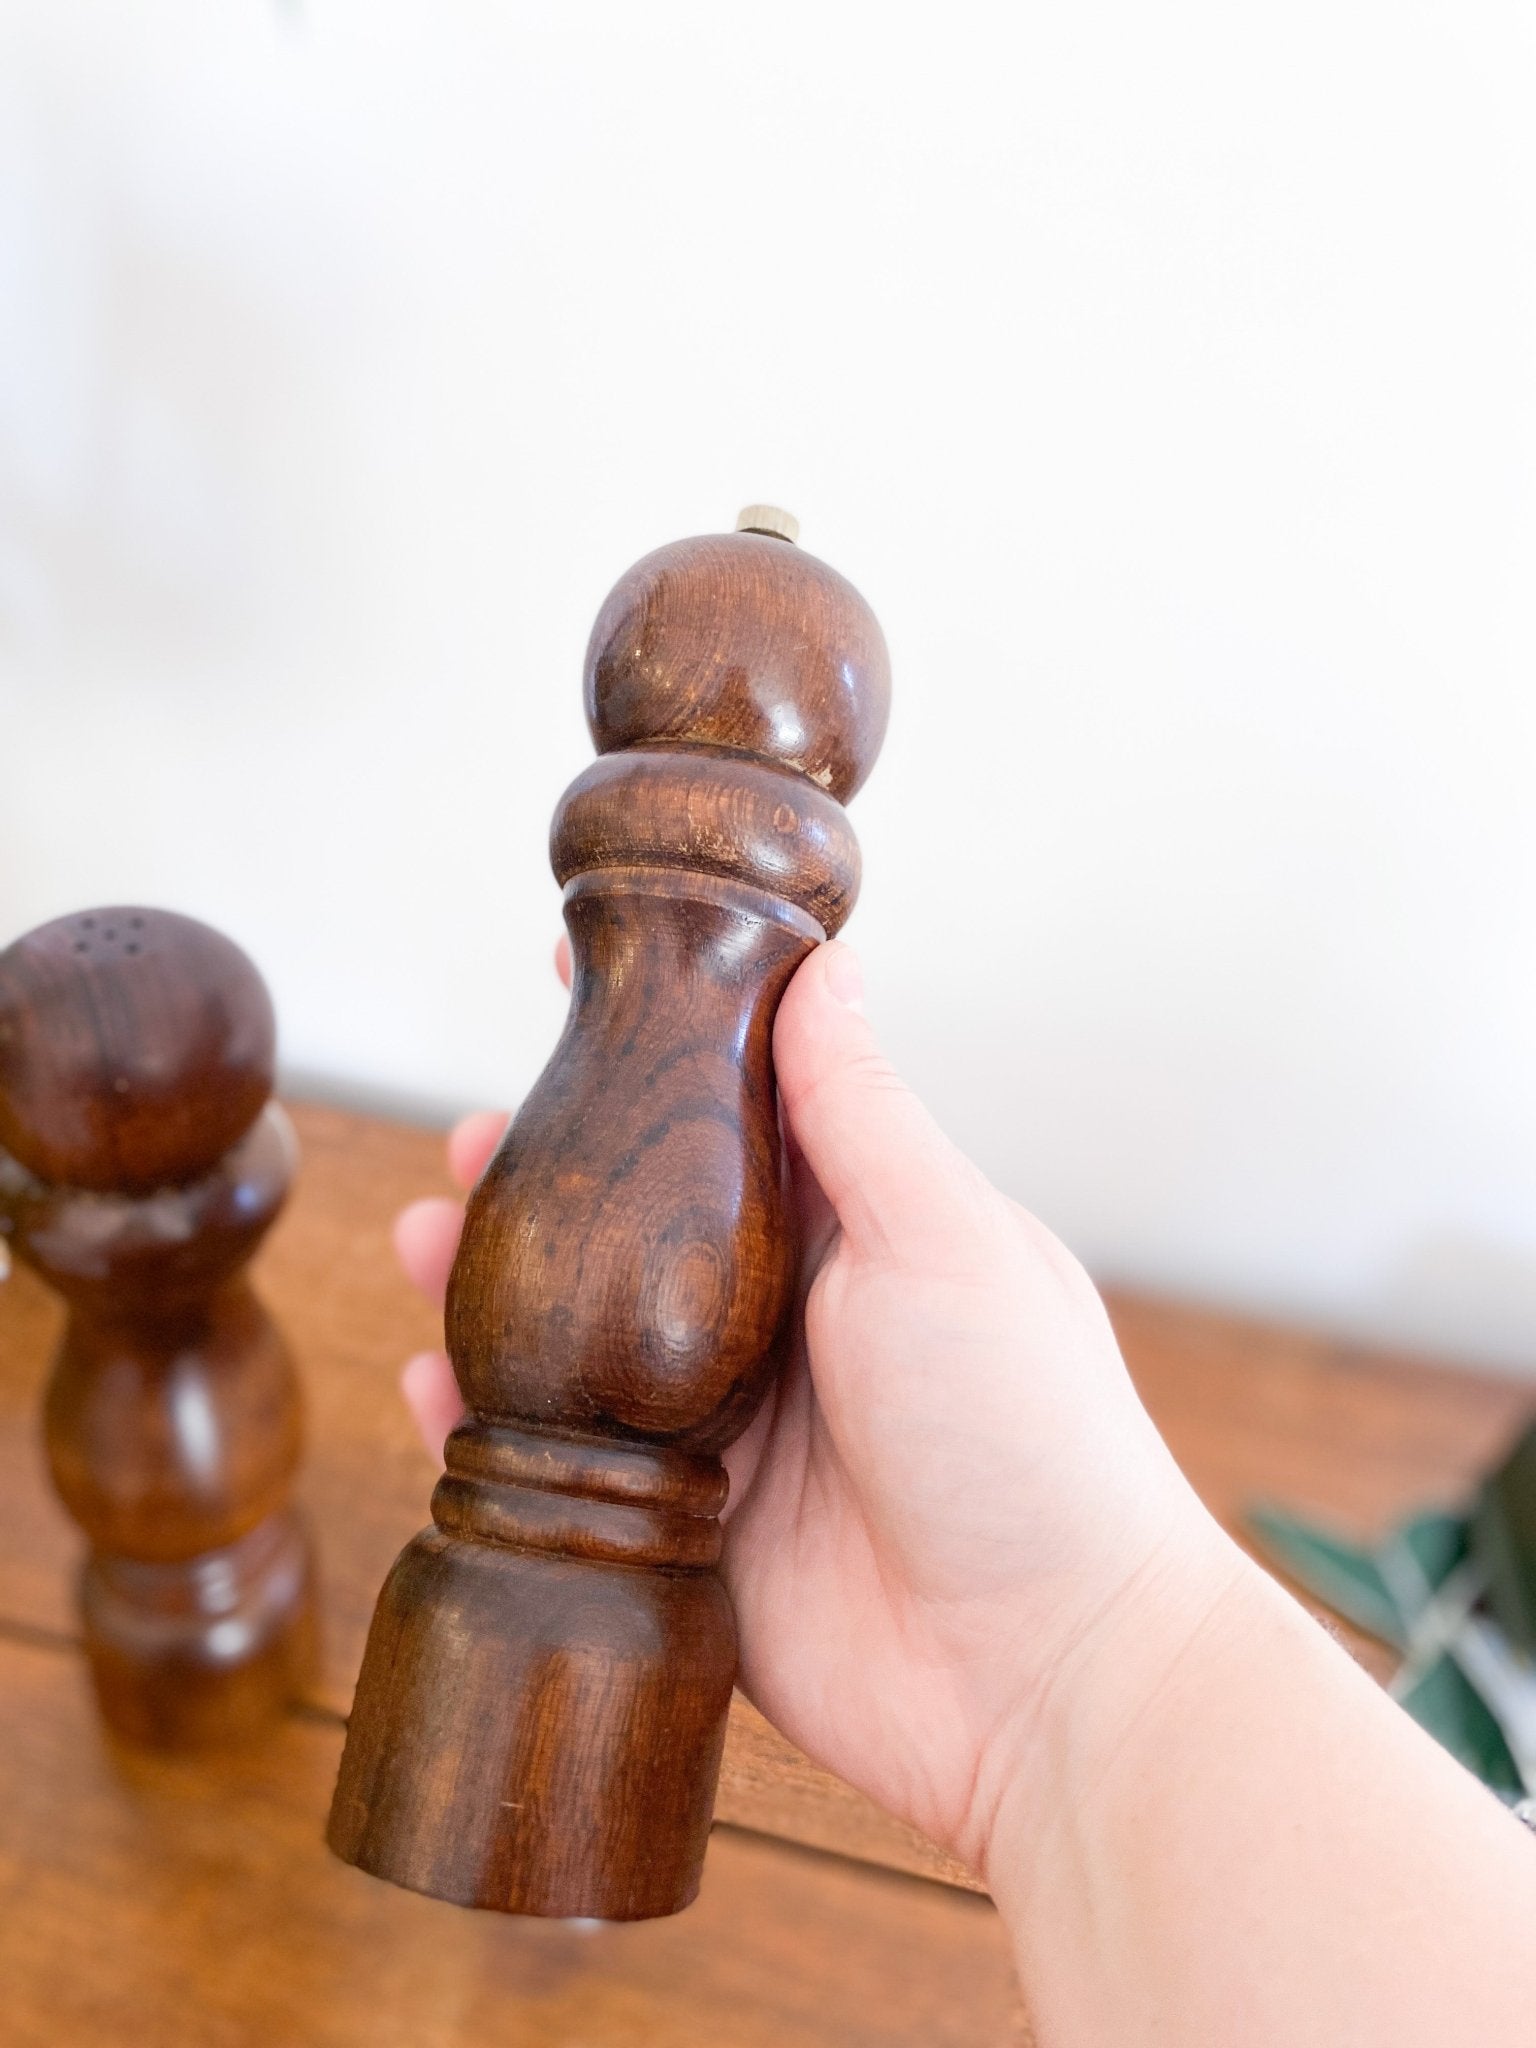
{"x":770,"y":519}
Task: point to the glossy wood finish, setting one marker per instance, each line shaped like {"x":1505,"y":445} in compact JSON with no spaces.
{"x":136,"y":1047}
{"x":135,"y":1059}
{"x":329,"y":1274}
{"x":542,"y":1707}
{"x":1251,"y":1410}
{"x":190,"y":1903}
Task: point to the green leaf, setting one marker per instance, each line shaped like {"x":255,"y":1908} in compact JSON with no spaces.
{"x":1504,"y":1542}
{"x":1344,"y":1575}
{"x":1388,"y":1588}
{"x":1444,"y":1701}
{"x":1436,"y":1540}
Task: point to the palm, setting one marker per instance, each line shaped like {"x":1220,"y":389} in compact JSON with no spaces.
{"x":910,"y":1545}
{"x":829,"y":1621}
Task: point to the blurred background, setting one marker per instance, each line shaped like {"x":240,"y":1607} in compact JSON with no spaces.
{"x":1162,"y":376}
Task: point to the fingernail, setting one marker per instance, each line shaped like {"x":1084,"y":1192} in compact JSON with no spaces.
{"x":845,"y":977}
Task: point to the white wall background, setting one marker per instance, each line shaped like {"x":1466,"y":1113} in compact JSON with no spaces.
{"x":1162,"y":374}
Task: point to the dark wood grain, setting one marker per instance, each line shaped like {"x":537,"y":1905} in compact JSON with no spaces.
{"x":191,"y":1902}
{"x":329,"y":1273}
{"x":542,"y":1707}
{"x":1251,"y":1410}
{"x":180,"y":1902}
{"x":137,"y":1059}
{"x":136,"y":1047}
{"x":744,"y":643}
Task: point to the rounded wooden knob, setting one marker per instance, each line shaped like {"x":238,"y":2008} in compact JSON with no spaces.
{"x":741,"y":641}
{"x":136,"y":1047}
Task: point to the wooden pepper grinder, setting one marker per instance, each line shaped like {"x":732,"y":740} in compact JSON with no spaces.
{"x":142,"y":1163}
{"x":541,"y":1711}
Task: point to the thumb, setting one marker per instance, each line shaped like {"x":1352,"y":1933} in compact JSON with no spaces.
{"x":897,"y":1184}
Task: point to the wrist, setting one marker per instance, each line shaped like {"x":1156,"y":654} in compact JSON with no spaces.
{"x":1110,"y":1688}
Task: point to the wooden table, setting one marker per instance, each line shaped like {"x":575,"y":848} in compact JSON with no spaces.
{"x":193,"y":1903}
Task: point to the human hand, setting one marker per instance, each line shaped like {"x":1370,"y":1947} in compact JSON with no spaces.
{"x":953,"y":1500}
